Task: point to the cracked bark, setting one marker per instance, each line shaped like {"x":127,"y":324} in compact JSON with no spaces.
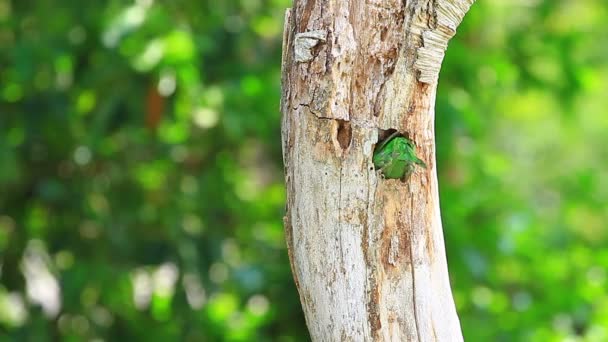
{"x":367,"y":253}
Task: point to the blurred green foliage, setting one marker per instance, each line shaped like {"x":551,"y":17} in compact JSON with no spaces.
{"x":141,"y":189}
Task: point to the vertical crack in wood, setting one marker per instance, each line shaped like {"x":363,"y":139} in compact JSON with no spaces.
{"x":339,"y":222}
{"x":371,"y":283}
{"x":413,"y":266}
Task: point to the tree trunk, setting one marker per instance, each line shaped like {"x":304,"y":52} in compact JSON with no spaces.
{"x":367,"y":253}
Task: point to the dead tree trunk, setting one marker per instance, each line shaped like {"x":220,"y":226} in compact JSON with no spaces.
{"x":367,"y":253}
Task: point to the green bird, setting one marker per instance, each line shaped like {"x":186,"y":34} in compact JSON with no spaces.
{"x":396,"y":157}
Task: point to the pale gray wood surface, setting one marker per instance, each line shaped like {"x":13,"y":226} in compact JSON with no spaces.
{"x":367,"y":253}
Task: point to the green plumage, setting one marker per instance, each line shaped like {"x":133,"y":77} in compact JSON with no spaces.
{"x":396,"y":157}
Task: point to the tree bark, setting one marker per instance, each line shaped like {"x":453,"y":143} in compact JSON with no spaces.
{"x":367,"y":253}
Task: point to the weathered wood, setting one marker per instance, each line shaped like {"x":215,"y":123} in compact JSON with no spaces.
{"x":367,"y":253}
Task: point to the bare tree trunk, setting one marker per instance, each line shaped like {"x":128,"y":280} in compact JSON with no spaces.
{"x":367,"y":253}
